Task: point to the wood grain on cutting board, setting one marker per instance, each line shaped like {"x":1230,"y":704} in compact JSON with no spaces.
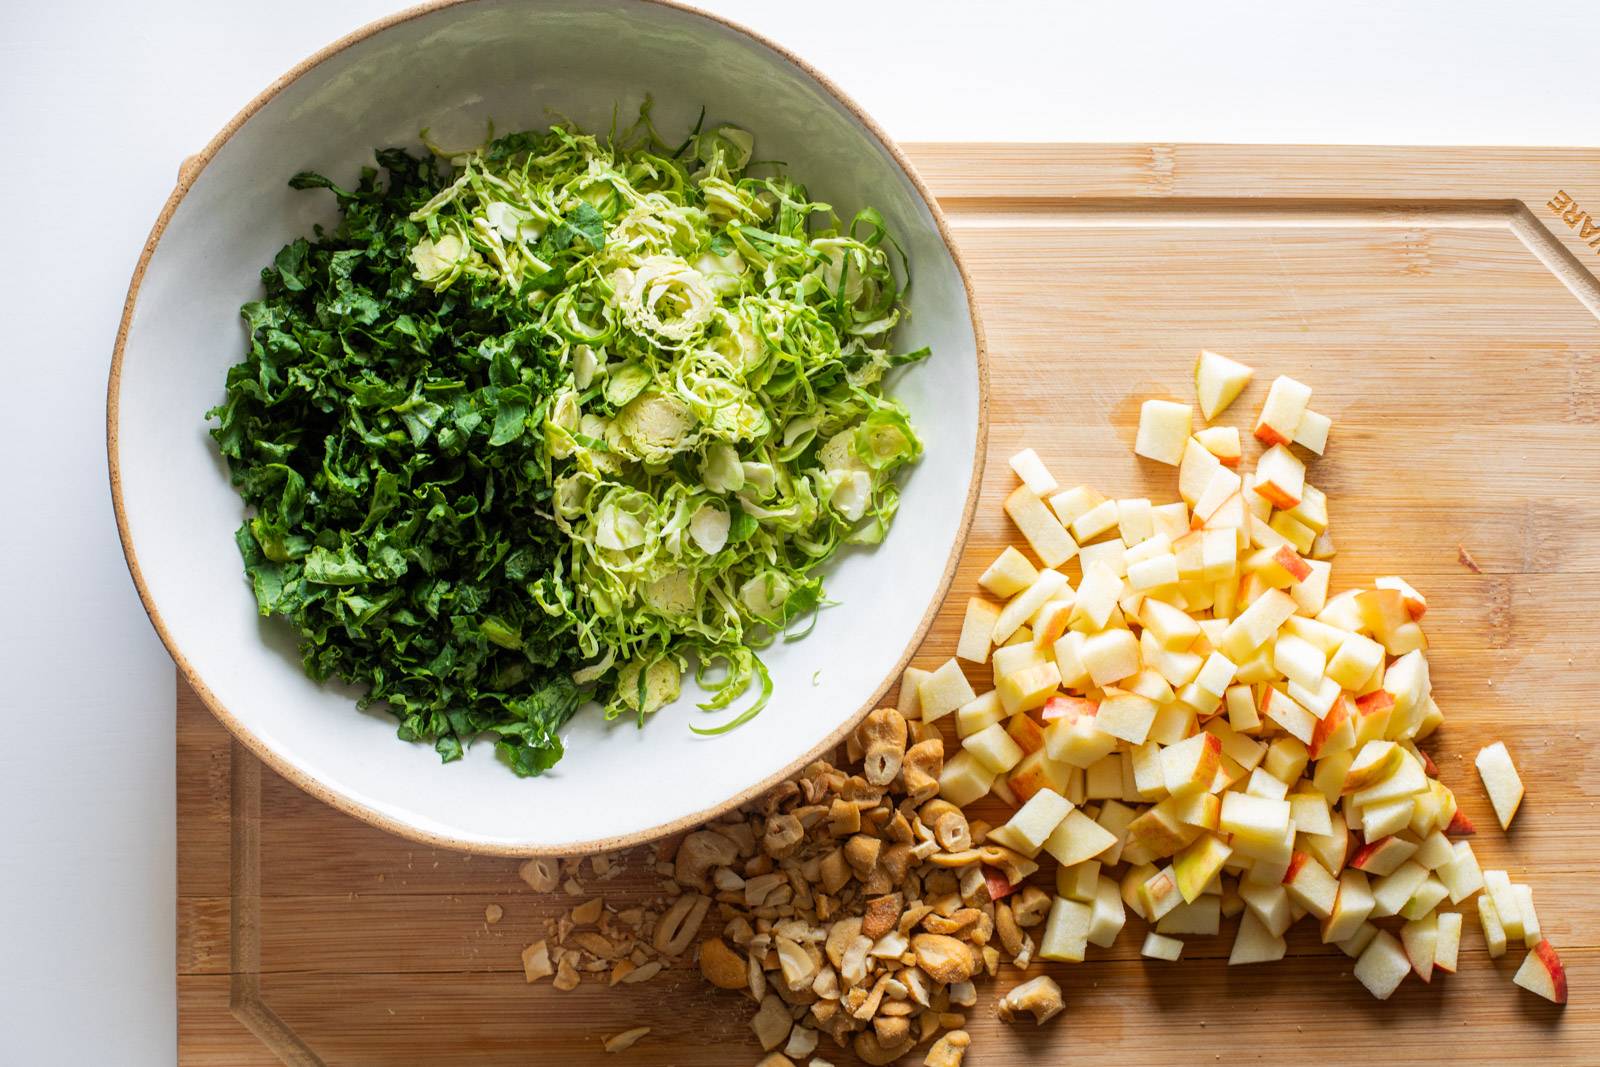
{"x":1444,"y":305}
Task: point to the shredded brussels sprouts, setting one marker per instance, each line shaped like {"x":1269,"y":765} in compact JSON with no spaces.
{"x":722,"y":429}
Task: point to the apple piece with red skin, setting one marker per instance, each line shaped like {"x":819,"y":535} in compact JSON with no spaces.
{"x":1543,"y":973}
{"x":1289,"y":560}
{"x":1421,"y":940}
{"x":1460,"y":825}
{"x":1335,"y":731}
{"x":999,"y":887}
{"x":1310,"y":885}
{"x":1067,"y":708}
{"x":1376,"y":761}
{"x":1026,"y":731}
{"x":1383,"y":856}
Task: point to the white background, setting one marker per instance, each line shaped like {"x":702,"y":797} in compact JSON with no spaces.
{"x":99,"y":101}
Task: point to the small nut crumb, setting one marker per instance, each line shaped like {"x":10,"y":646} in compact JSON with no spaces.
{"x":493,"y":913}
{"x":626,"y":1039}
{"x":588,"y":911}
{"x":536,"y":961}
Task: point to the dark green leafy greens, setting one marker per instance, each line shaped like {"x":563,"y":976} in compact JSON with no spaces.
{"x":558,"y":412}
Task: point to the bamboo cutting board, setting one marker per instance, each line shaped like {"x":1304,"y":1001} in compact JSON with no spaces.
{"x":1444,"y":305}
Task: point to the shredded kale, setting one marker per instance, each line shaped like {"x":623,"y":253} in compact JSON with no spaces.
{"x":558,"y":416}
{"x":385,"y":435}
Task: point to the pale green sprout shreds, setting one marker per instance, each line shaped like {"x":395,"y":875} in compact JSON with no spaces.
{"x":722,"y":429}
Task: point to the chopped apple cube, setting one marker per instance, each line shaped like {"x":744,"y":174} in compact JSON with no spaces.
{"x":1462,"y":875}
{"x":1097,"y":597}
{"x":1195,"y":472}
{"x":1110,"y":656}
{"x":1282,"y":411}
{"x":1080,"y":881}
{"x":1258,"y":819}
{"x":1048,"y":538}
{"x":1312,"y":433}
{"x":1415,"y":603}
{"x":1280,"y":477}
{"x":1256,"y":625}
{"x":1031,"y":469}
{"x":910,"y":703}
{"x":1201,"y":917}
{"x":1390,"y":893}
{"x":1222,"y":442}
{"x":1351,"y":906}
{"x":1198,"y":863}
{"x":1035,"y":821}
{"x":1157,"y":947}
{"x":1107,"y":915}
{"x":1163,"y":431}
{"x":1066,"y":931}
{"x":994,"y":748}
{"x":1494,"y":932}
{"x":1255,"y":943}
{"x":1532,"y":934}
{"x":1078,"y":838}
{"x":1044,"y":588}
{"x":1383,"y":966}
{"x":1009,"y":574}
{"x":1173,"y":627}
{"x":1290,"y":716}
{"x":1094,"y":522}
{"x":1078,"y":741}
{"x":943,"y":691}
{"x":1501,"y":781}
{"x":1447,"y":948}
{"x":978,"y":714}
{"x":1126,"y":716}
{"x":1028,"y":688}
{"x":964,"y":779}
{"x":977,"y":629}
{"x":1542,"y":973}
{"x":1218,"y":381}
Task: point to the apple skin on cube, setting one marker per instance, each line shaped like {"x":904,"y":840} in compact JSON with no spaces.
{"x":1282,"y":411}
{"x":1383,"y":856}
{"x":1190,"y":765}
{"x":1218,"y":381}
{"x":1163,"y":431}
{"x":1543,"y":973}
{"x":1280,"y":477}
{"x":1037,"y":771}
{"x":1420,"y":938}
{"x":1078,"y":741}
{"x":1026,"y":731}
{"x":1310,"y":885}
{"x":1222,"y":442}
{"x":1351,"y":907}
{"x":1029,"y":688}
{"x":1383,"y":966}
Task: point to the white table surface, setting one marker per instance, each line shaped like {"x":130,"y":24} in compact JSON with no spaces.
{"x":100,"y":100}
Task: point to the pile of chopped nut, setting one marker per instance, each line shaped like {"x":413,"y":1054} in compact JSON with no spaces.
{"x":861,"y":907}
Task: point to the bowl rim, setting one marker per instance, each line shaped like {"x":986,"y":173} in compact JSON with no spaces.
{"x":190,"y":170}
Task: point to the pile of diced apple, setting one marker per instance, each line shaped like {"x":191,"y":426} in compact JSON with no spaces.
{"x":1199,"y":728}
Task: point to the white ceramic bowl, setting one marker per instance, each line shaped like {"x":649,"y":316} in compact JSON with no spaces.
{"x":450,"y":68}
